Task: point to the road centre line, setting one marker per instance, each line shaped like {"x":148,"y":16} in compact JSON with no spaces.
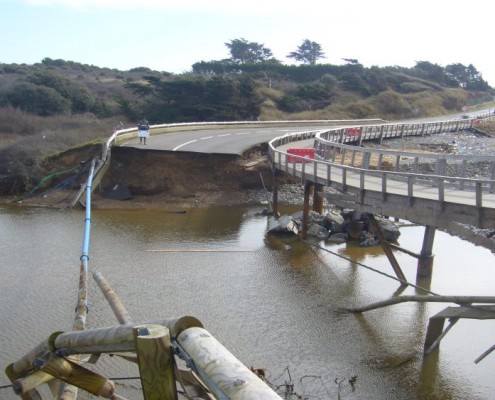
{"x":184,"y":144}
{"x":206,"y":137}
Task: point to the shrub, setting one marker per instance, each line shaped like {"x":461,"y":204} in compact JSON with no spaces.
{"x":81,"y":99}
{"x":14,"y":120}
{"x":453,"y":99}
{"x":40,"y":100}
{"x":362,"y":109}
{"x":391,"y":103}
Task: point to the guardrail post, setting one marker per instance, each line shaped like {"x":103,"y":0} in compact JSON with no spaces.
{"x":353,"y":158}
{"x":380,"y":160}
{"x":441,"y":166}
{"x":365,"y":162}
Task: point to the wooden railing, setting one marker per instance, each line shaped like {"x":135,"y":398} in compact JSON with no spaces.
{"x":357,"y":170}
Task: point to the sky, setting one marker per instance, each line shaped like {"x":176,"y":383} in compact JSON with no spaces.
{"x":172,"y":35}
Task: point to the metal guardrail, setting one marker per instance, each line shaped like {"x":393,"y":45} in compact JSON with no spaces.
{"x":361,"y":170}
{"x":128,"y":133}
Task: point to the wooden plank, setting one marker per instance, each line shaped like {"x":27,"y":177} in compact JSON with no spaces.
{"x":472,"y":312}
{"x":426,"y":299}
{"x":76,"y":375}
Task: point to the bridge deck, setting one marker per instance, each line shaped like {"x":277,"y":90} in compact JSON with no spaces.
{"x":437,"y":200}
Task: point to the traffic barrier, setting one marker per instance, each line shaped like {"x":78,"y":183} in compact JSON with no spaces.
{"x":353,"y":131}
{"x":309,"y":155}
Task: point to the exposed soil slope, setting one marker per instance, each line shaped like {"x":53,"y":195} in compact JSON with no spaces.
{"x":162,"y":179}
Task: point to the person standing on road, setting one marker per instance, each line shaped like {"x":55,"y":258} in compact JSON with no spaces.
{"x":143,"y":130}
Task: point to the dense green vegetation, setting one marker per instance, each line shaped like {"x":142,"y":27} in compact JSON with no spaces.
{"x":249,"y":85}
{"x":55,"y":104}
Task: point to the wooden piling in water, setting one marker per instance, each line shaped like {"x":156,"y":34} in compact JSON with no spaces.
{"x":307,"y":190}
{"x":318,"y":198}
{"x":387,"y":249}
{"x":425,"y":260}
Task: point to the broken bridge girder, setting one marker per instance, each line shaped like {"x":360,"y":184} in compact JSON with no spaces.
{"x":435,"y":332}
{"x":470,"y":307}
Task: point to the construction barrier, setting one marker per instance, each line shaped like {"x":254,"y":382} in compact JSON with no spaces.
{"x":353,"y":131}
{"x":309,"y":155}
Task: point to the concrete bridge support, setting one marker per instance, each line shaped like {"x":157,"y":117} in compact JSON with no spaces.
{"x":425,"y":259}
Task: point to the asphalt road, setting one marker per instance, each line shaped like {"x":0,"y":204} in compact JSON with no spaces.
{"x":217,"y":140}
{"x":236,"y":140}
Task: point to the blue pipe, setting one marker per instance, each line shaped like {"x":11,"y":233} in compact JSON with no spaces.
{"x":87,"y":229}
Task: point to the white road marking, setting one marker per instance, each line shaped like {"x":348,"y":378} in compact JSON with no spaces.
{"x":183,"y":144}
{"x":227,"y":134}
{"x":206,"y":137}
{"x":243,"y":133}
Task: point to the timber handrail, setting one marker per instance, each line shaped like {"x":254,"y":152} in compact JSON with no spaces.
{"x":359,"y":178}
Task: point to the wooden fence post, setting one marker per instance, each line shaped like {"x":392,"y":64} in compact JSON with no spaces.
{"x":156,"y":362}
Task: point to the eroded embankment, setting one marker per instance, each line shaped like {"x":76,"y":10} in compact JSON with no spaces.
{"x":182,"y":173}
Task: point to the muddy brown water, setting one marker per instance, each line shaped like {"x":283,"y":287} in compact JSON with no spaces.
{"x":272,"y":301}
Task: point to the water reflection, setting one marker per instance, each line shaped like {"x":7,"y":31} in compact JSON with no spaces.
{"x":272,"y":300}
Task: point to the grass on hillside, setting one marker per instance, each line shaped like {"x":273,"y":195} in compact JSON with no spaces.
{"x":26,"y":140}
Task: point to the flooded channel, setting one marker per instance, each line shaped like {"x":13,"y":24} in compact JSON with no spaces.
{"x":273,"y":302}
